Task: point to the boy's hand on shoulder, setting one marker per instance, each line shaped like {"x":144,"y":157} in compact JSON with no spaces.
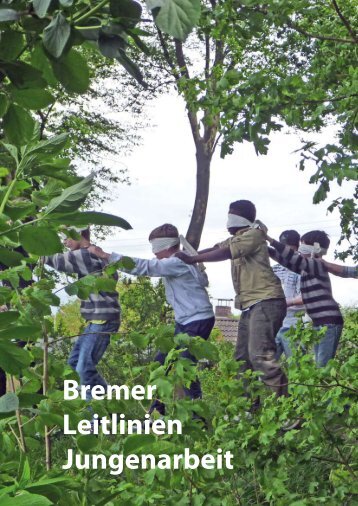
{"x":185,"y":258}
{"x":96,"y":250}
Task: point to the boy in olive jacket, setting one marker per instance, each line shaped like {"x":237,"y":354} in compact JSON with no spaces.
{"x":259,"y":294}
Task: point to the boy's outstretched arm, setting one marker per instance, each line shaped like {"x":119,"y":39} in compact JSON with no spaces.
{"x":342,"y":271}
{"x":212,"y":255}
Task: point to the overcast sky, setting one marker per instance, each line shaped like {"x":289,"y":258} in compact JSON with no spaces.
{"x":162,"y":172}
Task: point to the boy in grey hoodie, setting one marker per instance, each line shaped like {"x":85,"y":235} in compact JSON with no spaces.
{"x":185,"y":289}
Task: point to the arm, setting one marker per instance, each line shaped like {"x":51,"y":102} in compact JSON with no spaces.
{"x":214,"y":255}
{"x":155,"y":268}
{"x":341,"y":270}
{"x":296,"y":262}
{"x":295,"y":301}
{"x":62,"y":262}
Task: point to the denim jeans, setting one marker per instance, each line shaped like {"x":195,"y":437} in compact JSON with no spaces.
{"x":283,"y":344}
{"x":88,"y":351}
{"x":200,"y":328}
{"x":327,"y":347}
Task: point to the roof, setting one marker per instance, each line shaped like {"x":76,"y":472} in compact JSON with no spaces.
{"x":228,"y":327}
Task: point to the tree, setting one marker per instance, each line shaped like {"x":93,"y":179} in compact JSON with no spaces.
{"x":249,"y":69}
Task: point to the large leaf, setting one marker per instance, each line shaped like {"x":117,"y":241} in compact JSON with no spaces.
{"x":136,"y":443}
{"x":8,"y":402}
{"x":109,"y":45}
{"x":32,"y":98}
{"x":51,"y":146}
{"x":87,"y":443}
{"x":41,"y":62}
{"x":23,"y":75}
{"x":8,"y":317}
{"x":71,"y":198}
{"x":13,"y":359}
{"x":8,"y":15}
{"x":11,"y":45}
{"x":18,"y":125}
{"x":40,"y":240}
{"x":41,"y":7}
{"x":56,"y":35}
{"x":72,"y":72}
{"x":25,"y":499}
{"x":10,"y":258}
{"x":23,"y":332}
{"x":90,"y":218}
{"x":176,"y":17}
{"x":126,"y":9}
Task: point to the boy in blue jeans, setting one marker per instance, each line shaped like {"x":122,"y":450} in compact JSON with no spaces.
{"x":101,"y":310}
{"x":316,"y":287}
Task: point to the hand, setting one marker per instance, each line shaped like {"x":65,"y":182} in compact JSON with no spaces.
{"x":96,"y":250}
{"x":3,"y":308}
{"x":185,"y":258}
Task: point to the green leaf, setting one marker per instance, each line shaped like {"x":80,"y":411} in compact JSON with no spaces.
{"x":25,"y":499}
{"x":10,"y":258}
{"x":23,"y":75}
{"x":9,"y":402}
{"x":125,"y":9}
{"x":176,"y":17}
{"x":18,"y":125}
{"x":4,"y":104}
{"x":56,"y":35}
{"x":86,"y":443}
{"x":66,"y":3}
{"x":40,"y":240}
{"x":4,"y":171}
{"x":51,"y":146}
{"x":139,"y":340}
{"x":136,"y":443}
{"x":11,"y":45}
{"x":72,"y":197}
{"x":109,"y":45}
{"x":72,"y":72}
{"x":203,"y":349}
{"x":131,"y":67}
{"x":41,"y":62}
{"x":32,"y":99}
{"x":90,"y":218}
{"x":41,"y":7}
{"x":8,"y":317}
{"x":23,"y":332}
{"x":12,"y":358}
{"x":9,"y":15}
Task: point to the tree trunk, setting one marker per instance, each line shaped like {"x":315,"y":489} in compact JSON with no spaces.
{"x":203,"y":161}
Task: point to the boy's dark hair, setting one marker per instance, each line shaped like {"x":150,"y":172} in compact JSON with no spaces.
{"x":166,"y":230}
{"x":244,"y":208}
{"x":86,"y":234}
{"x":316,"y":236}
{"x":290,"y":238}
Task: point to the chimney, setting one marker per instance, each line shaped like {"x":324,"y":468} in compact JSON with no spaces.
{"x":223,"y":308}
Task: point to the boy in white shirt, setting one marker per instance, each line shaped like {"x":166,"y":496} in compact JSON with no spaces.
{"x":185,"y":289}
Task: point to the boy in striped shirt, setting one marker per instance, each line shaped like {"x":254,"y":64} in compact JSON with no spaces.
{"x":101,"y":310}
{"x":316,"y":287}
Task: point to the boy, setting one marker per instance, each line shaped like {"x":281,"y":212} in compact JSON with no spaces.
{"x":291,"y":286}
{"x":185,"y":288}
{"x":258,"y":293}
{"x":101,"y":310}
{"x":316,"y":287}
